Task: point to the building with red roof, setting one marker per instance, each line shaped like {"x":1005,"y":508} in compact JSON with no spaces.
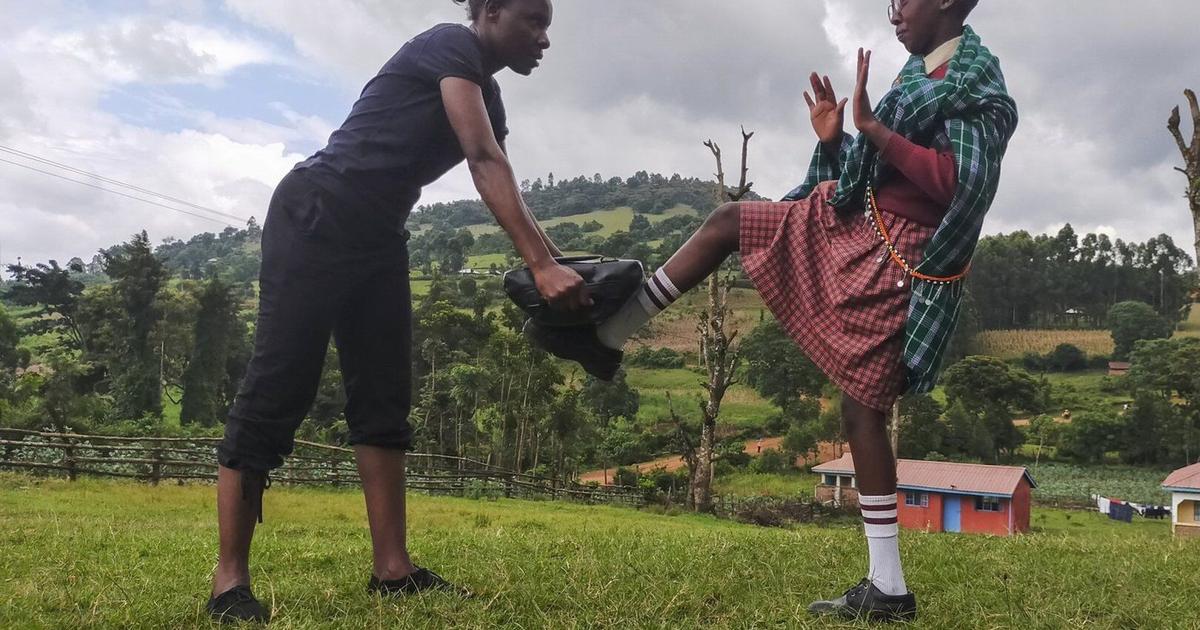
{"x":944,"y":496}
{"x":1184,"y":486}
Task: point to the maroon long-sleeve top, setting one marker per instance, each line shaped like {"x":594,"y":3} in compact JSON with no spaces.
{"x":925,"y":179}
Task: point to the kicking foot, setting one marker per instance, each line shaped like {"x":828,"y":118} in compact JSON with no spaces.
{"x":865,"y":601}
{"x":579,"y":344}
{"x":236,"y":605}
{"x":416,"y":582}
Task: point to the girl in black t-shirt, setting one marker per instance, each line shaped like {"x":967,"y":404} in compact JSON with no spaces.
{"x":335,"y":262}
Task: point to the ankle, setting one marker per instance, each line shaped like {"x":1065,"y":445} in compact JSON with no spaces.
{"x":396,"y":570}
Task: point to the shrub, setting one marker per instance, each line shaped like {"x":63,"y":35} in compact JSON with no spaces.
{"x":656,"y":358}
{"x":771,"y":461}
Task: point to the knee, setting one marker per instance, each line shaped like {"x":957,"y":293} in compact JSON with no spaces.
{"x":726,"y":220}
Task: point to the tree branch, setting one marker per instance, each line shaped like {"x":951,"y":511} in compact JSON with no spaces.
{"x":1173,"y":127}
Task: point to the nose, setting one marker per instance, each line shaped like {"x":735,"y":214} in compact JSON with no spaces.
{"x":895,"y":19}
{"x":544,"y":41}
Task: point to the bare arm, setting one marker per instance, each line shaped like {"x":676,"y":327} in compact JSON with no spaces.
{"x":497,"y":185}
{"x":554,"y":251}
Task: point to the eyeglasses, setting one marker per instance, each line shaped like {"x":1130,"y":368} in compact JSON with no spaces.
{"x":895,"y":8}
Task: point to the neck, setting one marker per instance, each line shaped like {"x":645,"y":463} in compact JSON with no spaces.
{"x":490,"y":63}
{"x":944,"y":34}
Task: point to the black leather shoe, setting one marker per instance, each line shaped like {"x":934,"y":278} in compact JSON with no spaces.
{"x":865,"y":601}
{"x":416,"y":582}
{"x":236,"y":605}
{"x":579,"y":344}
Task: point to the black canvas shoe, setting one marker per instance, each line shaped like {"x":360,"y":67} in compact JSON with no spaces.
{"x":579,"y":344}
{"x":236,"y":605}
{"x":865,"y":601}
{"x":416,"y":582}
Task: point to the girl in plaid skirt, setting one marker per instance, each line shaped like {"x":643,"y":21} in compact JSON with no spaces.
{"x":860,"y":265}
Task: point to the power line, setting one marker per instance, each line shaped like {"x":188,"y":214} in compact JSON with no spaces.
{"x":116,"y":182}
{"x":117,"y":192}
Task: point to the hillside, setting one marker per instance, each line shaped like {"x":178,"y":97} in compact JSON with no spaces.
{"x":102,"y":554}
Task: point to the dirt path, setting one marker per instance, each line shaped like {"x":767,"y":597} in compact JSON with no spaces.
{"x":827,"y":452}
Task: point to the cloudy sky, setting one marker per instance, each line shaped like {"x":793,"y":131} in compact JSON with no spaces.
{"x":211,"y":102}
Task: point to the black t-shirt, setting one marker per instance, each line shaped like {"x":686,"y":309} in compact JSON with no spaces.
{"x":398,"y":138}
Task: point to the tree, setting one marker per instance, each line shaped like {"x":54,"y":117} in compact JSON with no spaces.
{"x":609,"y":401}
{"x":921,"y":428}
{"x":138,"y":276}
{"x":52,"y":288}
{"x":1133,"y":321}
{"x":777,"y":369}
{"x":217,"y":331}
{"x":1191,"y":160}
{"x":1089,"y":436}
{"x":991,"y":391}
{"x":718,"y":352}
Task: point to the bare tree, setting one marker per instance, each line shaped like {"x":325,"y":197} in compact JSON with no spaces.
{"x":1191,"y":160}
{"x":718,"y":353}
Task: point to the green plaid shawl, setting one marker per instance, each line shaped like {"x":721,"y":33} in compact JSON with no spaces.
{"x":971,"y":111}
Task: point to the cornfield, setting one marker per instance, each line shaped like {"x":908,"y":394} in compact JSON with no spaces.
{"x":1013,"y":344}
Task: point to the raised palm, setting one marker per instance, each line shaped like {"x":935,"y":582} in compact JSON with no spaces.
{"x":826,"y":112}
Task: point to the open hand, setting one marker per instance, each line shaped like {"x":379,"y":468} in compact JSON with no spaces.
{"x":827,"y":114}
{"x":864,"y":118}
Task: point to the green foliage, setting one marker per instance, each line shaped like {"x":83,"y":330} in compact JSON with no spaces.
{"x":55,"y":291}
{"x":983,"y":394}
{"x":655,"y":358}
{"x":612,"y":400}
{"x":138,"y":276}
{"x":1062,"y":281}
{"x":1133,"y":321}
{"x":921,"y":429}
{"x":770,"y":462}
{"x":218,"y":352}
{"x":1090,"y":436}
{"x":777,"y":369}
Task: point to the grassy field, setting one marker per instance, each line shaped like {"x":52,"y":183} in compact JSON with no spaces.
{"x":742,"y":407}
{"x":1013,"y":344}
{"x":613,"y":220}
{"x":776,"y":485}
{"x":99,"y":554}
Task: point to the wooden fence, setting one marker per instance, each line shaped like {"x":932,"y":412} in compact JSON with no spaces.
{"x":156,"y":459}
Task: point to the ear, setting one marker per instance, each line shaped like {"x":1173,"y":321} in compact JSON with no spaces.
{"x":948,"y":5}
{"x":491,"y":10}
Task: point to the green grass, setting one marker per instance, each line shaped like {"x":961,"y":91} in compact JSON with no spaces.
{"x":100,"y":554}
{"x":776,"y":485}
{"x":613,"y":220}
{"x":742,"y":407}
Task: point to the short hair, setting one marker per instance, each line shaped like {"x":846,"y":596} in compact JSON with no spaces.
{"x":476,"y":7}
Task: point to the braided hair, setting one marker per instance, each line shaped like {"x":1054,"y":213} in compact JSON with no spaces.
{"x":476,"y":7}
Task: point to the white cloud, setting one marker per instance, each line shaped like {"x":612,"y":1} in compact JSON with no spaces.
{"x":627,"y":85}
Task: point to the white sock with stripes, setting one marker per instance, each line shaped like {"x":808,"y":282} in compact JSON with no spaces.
{"x":653,"y":298}
{"x":882,"y":528}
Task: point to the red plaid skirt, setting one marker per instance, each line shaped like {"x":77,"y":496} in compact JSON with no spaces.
{"x":828,"y":279}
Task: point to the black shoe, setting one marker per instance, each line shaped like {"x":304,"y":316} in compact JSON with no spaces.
{"x":579,"y":344}
{"x":416,"y":582}
{"x":237,"y":604}
{"x":865,"y":601}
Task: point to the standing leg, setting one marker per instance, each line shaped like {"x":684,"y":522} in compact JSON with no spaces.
{"x":382,"y":473}
{"x":875,"y":469}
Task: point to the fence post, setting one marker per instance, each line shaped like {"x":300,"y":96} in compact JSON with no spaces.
{"x":69,"y":458}
{"x":156,"y":467}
